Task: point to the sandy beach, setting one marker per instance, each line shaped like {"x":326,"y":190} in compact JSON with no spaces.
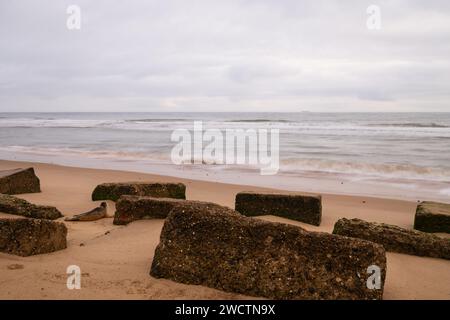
{"x":115,"y":260}
{"x":311,"y":140}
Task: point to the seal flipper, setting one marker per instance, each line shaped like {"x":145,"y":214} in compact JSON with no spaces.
{"x":92,"y":215}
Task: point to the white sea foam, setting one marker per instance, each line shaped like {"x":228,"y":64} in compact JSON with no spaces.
{"x":361,"y":169}
{"x":51,"y":123}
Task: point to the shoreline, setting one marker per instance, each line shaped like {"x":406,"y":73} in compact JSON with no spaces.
{"x":307,"y":182}
{"x":115,"y":260}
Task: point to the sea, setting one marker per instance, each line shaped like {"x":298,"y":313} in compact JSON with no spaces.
{"x":392,"y":155}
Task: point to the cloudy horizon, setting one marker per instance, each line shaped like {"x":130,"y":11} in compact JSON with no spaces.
{"x":240,"y":55}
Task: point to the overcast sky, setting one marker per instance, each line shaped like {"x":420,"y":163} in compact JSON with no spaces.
{"x":229,"y":55}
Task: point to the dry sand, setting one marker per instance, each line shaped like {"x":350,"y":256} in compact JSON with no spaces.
{"x":115,"y":260}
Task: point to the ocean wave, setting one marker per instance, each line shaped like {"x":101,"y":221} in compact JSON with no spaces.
{"x":410,"y":125}
{"x":403,"y":171}
{"x":153,"y":120}
{"x":51,"y":123}
{"x":295,"y":126}
{"x":98,"y":154}
{"x":259,"y":120}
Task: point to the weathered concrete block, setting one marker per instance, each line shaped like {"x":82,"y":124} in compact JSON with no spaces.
{"x":306,"y":209}
{"x":113,"y":191}
{"x":394,"y":238}
{"x":432,"y":217}
{"x":19,"y":181}
{"x":20,"y":207}
{"x":131,"y":208}
{"x":26,"y":237}
{"x":217,"y":247}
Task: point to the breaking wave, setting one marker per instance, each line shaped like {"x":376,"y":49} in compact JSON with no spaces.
{"x":411,"y":125}
{"x":395,"y":171}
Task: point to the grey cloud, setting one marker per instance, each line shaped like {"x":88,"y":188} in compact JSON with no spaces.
{"x":238,"y":55}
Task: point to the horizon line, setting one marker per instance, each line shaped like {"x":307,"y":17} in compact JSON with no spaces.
{"x":225,"y":111}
